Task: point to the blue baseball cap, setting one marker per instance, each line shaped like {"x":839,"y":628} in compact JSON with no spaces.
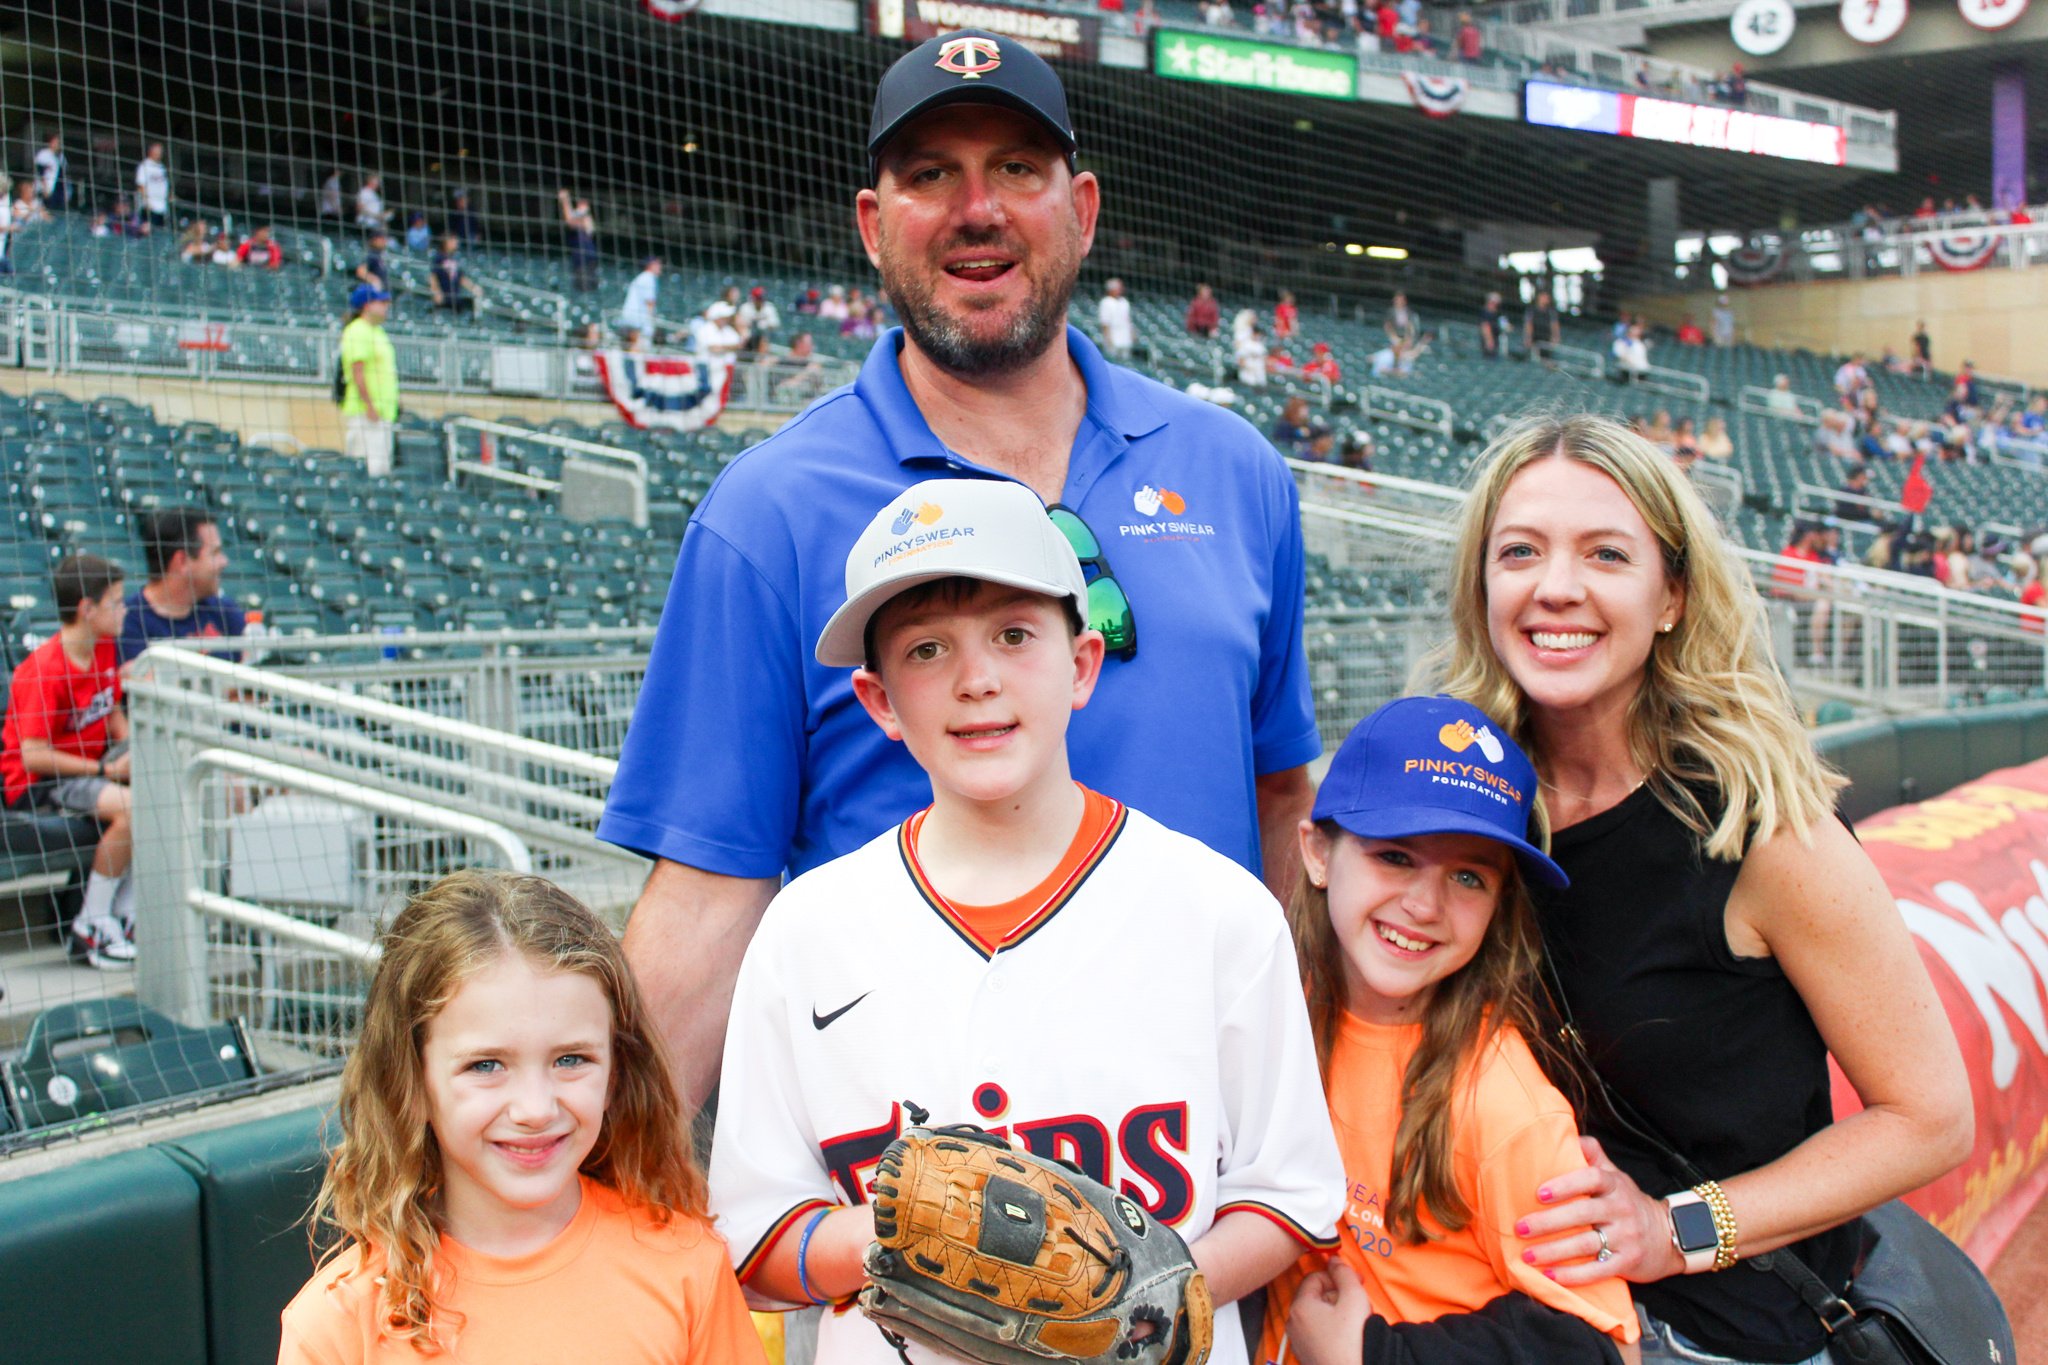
{"x":1435,"y":765}
{"x":367,"y":293}
{"x":971,"y":66}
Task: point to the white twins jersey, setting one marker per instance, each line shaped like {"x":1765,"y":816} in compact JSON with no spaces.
{"x":1146,"y":1024}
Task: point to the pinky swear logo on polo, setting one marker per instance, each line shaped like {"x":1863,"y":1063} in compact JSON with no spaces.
{"x":1154,"y":503}
{"x":968,"y":58}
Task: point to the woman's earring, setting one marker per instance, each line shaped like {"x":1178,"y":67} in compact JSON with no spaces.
{"x":1665,"y":629}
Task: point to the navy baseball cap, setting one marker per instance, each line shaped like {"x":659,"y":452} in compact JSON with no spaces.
{"x":969,"y":67}
{"x":1434,"y":765}
{"x":367,"y":293}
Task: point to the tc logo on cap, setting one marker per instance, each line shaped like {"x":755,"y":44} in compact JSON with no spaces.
{"x":927,"y":513}
{"x":1460,"y":736}
{"x":969,"y":57}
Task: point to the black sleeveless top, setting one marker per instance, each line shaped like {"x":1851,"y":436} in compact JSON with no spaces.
{"x":1717,"y":1052}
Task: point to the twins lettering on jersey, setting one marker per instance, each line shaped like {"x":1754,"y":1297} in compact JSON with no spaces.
{"x":98,"y":709}
{"x":1150,"y":1144}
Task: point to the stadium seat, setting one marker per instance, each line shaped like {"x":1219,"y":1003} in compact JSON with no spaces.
{"x":103,"y":1261}
{"x":256,"y":1181}
{"x":97,"y":1055}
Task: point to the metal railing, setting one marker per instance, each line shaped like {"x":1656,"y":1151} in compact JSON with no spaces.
{"x":1409,"y":409}
{"x":545,"y":304}
{"x":1783,"y":404}
{"x":281,"y":818}
{"x":1678,"y":383}
{"x":1841,"y":252}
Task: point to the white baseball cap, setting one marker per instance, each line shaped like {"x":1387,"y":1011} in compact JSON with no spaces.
{"x":991,"y":529}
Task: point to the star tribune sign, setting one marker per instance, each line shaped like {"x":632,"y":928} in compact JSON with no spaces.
{"x":1258,"y":66}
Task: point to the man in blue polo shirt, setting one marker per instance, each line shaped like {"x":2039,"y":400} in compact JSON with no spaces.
{"x":182,"y":597}
{"x":747,"y":759}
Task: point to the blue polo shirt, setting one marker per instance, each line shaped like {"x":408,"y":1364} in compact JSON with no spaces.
{"x":747,"y":757}
{"x":209,"y":616}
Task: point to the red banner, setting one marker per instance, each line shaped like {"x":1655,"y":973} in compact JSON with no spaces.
{"x":1969,"y":870}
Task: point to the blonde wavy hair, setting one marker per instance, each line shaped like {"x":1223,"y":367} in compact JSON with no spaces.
{"x":384,"y":1177}
{"x":1713,"y":713}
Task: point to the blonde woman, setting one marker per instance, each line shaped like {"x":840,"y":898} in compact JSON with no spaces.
{"x":1722,"y":933}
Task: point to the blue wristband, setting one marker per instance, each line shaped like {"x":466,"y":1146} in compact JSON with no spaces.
{"x":803,"y":1245}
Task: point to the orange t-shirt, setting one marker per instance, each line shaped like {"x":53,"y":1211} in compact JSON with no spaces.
{"x":994,"y":925}
{"x":1517,"y":1132}
{"x":612,"y":1286}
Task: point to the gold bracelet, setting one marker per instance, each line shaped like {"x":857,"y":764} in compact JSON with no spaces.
{"x":1724,"y":1223}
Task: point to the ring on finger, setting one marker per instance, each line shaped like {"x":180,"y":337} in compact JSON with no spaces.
{"x":1606,"y":1251}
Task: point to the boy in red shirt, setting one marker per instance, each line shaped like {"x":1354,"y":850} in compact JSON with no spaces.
{"x":63,"y":747}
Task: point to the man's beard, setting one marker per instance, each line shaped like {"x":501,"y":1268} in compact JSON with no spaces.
{"x":955,"y":346}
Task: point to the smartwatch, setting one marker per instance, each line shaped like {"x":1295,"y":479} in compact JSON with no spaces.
{"x":1692,"y":1230}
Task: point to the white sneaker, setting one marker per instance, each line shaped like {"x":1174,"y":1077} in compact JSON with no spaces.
{"x":104,"y":947}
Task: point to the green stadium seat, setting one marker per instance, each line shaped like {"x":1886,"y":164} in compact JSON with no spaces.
{"x":104,"y":1262}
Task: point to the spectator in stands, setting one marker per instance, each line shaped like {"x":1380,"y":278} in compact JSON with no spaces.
{"x":1204,"y":314}
{"x":330,"y":195}
{"x":1113,"y":318}
{"x":63,"y":746}
{"x":1724,"y":322}
{"x":1835,"y":436}
{"x":454,"y":291}
{"x":1714,"y":440}
{"x":807,"y":303}
{"x":182,"y":598}
{"x":125,"y":222}
{"x":418,"y":236}
{"x":1689,"y":333}
{"x":153,"y":186}
{"x":1923,"y":351}
{"x":712,"y":334}
{"x":1782,"y":399}
{"x":1967,"y":395}
{"x":1400,"y":324}
{"x":1851,"y":378}
{"x":1286,"y":318}
{"x":369,"y":365}
{"x":195,"y":243}
{"x":833,"y":307}
{"x":260,"y":250}
{"x":462,"y":221}
{"x":1216,"y":14}
{"x":53,"y":174}
{"x":1322,"y":365}
{"x":1541,"y":332}
{"x":224,"y":254}
{"x":1291,"y":428}
{"x":1396,"y":360}
{"x":99,"y":226}
{"x":9,"y":229}
{"x":1322,"y":443}
{"x":1685,"y":442}
{"x":1250,"y":354}
{"x":1490,"y":335}
{"x":800,"y":375}
{"x":375,"y":269}
{"x":758,"y":317}
{"x":581,"y":226}
{"x":639,"y":308}
{"x":1632,"y":353}
{"x":371,"y":213}
{"x":1856,"y":483}
{"x":1804,"y":584}
{"x":1356,"y":451}
{"x":1469,"y":44}
{"x":27,"y":209}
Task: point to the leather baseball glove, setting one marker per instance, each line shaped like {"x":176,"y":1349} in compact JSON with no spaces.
{"x":1004,"y":1258}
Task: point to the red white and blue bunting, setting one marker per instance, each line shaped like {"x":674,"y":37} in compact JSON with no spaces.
{"x":671,"y":10}
{"x":1756,"y":261}
{"x":1437,"y":96}
{"x":1968,"y":249}
{"x":672,"y":392}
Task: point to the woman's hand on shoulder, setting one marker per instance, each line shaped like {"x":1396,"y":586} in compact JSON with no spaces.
{"x":1326,"y":1325}
{"x":1598,"y":1195}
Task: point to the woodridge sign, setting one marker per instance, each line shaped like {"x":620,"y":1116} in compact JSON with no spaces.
{"x":1053,"y":35}
{"x":1258,"y":66}
{"x":1969,"y":871}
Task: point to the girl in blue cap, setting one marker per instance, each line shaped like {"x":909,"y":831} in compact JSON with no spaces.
{"x":1418,"y":950}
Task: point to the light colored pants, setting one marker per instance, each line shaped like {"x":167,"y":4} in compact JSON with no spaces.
{"x":1662,"y":1346}
{"x":369,"y":442}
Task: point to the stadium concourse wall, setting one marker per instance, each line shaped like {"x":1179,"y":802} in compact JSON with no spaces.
{"x":199,"y":1227}
{"x":1991,"y":316}
{"x":262,"y":413}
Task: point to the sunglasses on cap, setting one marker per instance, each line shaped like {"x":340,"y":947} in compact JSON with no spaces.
{"x":1109,"y":608}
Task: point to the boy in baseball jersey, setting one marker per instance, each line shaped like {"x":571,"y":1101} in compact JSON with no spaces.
{"x":1025,"y":954}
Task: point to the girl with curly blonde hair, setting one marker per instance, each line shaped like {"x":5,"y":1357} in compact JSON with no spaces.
{"x":513,"y":1178}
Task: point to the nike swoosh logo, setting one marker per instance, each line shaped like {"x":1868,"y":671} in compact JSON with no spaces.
{"x":822,"y":1021}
